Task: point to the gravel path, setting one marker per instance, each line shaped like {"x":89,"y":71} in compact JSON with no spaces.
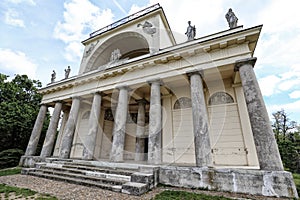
{"x":63,"y":190}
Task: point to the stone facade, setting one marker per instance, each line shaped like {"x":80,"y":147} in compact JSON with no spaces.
{"x":156,"y":102}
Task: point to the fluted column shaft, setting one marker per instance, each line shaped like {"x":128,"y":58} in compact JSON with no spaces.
{"x":90,"y":139}
{"x":51,"y":132}
{"x":36,"y":132}
{"x":69,"y":129}
{"x":200,"y":121}
{"x":116,"y":154}
{"x":265,"y":142}
{"x":155,"y":124}
{"x":140,"y":131}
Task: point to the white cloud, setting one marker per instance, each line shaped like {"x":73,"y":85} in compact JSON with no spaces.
{"x":11,"y":17}
{"x":16,"y":62}
{"x":80,"y":18}
{"x":295,"y":94}
{"x":268,"y":84}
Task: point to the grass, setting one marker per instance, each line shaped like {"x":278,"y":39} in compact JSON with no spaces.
{"x":22,"y":193}
{"x":297,"y":181}
{"x":182,"y":195}
{"x":10,"y":171}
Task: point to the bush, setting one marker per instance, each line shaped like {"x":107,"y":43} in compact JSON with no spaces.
{"x":10,"y":158}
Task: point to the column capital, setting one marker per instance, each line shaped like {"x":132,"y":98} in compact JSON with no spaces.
{"x":126,"y":87}
{"x":239,"y":63}
{"x":76,"y":97}
{"x":143,"y":100}
{"x":102,"y":94}
{"x":195,"y":71}
{"x":158,"y":80}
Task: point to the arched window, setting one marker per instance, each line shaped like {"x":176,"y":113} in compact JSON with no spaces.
{"x":108,"y":115}
{"x":183,"y":102}
{"x":220,"y":98}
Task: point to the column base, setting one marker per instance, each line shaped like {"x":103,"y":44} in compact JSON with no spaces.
{"x":29,"y":161}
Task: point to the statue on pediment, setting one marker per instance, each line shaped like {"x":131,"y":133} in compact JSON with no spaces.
{"x":67,"y":72}
{"x":190,"y":32}
{"x":231,"y":19}
{"x":53,"y":76}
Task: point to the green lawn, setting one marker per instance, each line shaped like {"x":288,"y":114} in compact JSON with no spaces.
{"x":10,"y":171}
{"x":297,"y":181}
{"x":182,"y":195}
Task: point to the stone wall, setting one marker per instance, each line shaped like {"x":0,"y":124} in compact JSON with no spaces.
{"x":256,"y":182}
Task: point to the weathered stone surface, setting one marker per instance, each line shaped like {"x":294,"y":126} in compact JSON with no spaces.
{"x":256,"y":182}
{"x":36,"y":132}
{"x":51,"y":132}
{"x":155,"y":124}
{"x":30,"y":161}
{"x":147,"y":178}
{"x":140,"y":131}
{"x":200,"y":121}
{"x":69,"y":129}
{"x":134,"y":188}
{"x":90,"y":139}
{"x":266,"y":146}
{"x":116,"y":154}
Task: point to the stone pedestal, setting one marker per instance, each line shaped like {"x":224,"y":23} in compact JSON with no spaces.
{"x":116,"y":154}
{"x":52,"y":131}
{"x":155,"y":124}
{"x":36,"y":132}
{"x":140,"y":131}
{"x":90,"y":140}
{"x":68,"y":133}
{"x":200,"y":121}
{"x":266,"y":146}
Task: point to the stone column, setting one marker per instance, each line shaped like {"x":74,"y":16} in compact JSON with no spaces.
{"x":155,"y":124}
{"x":116,"y":154}
{"x":140,"y":131}
{"x":36,"y":131}
{"x":52,"y":131}
{"x":200,"y":120}
{"x":266,"y":146}
{"x":69,"y":129}
{"x":90,"y":140}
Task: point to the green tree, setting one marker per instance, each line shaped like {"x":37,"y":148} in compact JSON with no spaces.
{"x":288,"y":139}
{"x":19,"y":106}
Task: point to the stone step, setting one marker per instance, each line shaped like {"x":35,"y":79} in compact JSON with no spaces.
{"x":109,"y":179}
{"x":75,"y":180}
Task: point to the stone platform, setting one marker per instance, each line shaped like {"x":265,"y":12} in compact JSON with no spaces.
{"x":136,"y":179}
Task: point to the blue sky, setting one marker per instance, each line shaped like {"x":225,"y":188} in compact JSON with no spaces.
{"x":38,"y":36}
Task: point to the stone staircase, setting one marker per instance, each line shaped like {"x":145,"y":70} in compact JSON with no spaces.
{"x":134,"y":179}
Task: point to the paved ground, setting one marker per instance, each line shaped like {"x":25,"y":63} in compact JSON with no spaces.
{"x":63,"y":190}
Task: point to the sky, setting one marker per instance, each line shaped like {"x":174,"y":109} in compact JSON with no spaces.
{"x":38,"y":36}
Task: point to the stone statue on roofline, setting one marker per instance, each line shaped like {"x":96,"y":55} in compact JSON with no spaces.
{"x":67,"y":72}
{"x":53,"y":76}
{"x":190,"y":32}
{"x":231,"y":19}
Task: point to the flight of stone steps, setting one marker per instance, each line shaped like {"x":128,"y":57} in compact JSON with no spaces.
{"x":134,"y":179}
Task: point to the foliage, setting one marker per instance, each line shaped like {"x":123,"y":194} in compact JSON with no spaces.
{"x":21,"y":193}
{"x":19,"y":106}
{"x":182,"y":195}
{"x":10,"y":171}
{"x":297,"y":181}
{"x":288,"y":139}
{"x":10,"y":158}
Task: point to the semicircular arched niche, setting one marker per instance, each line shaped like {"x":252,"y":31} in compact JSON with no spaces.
{"x":220,"y":98}
{"x":130,"y":44}
{"x":182,"y":103}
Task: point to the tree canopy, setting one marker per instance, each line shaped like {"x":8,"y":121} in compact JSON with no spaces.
{"x":287,"y":134}
{"x":19,"y":106}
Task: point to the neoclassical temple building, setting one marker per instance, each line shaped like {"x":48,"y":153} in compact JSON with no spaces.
{"x":188,"y":114}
